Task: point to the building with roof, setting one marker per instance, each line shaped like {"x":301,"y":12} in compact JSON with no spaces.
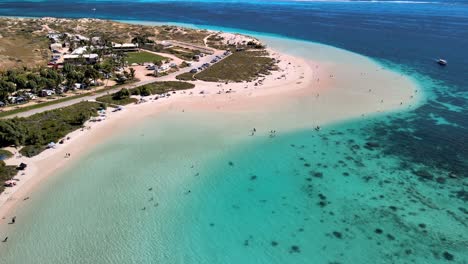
{"x":80,"y":58}
{"x":125,"y":47}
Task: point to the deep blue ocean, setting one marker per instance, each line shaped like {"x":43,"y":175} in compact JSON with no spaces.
{"x":429,"y":143}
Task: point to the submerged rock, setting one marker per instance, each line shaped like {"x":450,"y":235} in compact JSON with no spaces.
{"x":295,"y":249}
{"x":371,"y":145}
{"x":440,"y":180}
{"x":337,"y":234}
{"x":448,"y":256}
{"x":424,"y":174}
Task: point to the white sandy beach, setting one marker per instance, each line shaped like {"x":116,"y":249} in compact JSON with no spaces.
{"x":302,"y":94}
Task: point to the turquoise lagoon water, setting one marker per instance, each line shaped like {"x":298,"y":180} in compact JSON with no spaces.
{"x":164,"y":194}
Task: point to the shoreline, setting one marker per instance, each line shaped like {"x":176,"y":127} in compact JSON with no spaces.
{"x":294,"y":86}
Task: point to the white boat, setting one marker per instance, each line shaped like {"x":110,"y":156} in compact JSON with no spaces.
{"x":442,"y":62}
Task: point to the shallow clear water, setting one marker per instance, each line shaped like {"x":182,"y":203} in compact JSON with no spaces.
{"x":163,"y":194}
{"x":391,"y":189}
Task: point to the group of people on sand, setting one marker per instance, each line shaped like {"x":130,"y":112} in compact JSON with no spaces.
{"x":67,"y":155}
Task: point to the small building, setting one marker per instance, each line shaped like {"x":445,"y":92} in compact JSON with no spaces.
{"x":78,"y":59}
{"x":54,"y":37}
{"x":125,"y":47}
{"x":166,"y":44}
{"x":55,"y":46}
{"x":79,"y":37}
{"x":79,"y":51}
{"x":96,"y":40}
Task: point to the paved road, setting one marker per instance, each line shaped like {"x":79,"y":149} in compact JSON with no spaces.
{"x":169,"y":77}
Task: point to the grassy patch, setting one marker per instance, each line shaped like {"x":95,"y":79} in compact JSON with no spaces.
{"x":179,"y":52}
{"x":188,"y":76}
{"x":164,"y":87}
{"x":109,"y":99}
{"x":240,"y":66}
{"x":43,"y":128}
{"x":142,"y":57}
{"x":5,"y":154}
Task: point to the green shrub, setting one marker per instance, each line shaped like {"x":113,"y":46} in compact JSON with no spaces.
{"x":109,"y":99}
{"x":122,"y":94}
{"x":31,"y":150}
{"x":144,"y":90}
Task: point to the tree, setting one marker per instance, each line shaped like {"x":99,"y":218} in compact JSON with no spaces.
{"x":132,"y":73}
{"x":4,"y":96}
{"x":21,"y":82}
{"x":11,"y":133}
{"x":7,"y":86}
{"x":145,"y":90}
{"x":33,"y":86}
{"x":122,"y":94}
{"x":91,"y":73}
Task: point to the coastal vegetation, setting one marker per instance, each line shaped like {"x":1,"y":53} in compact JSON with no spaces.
{"x":38,"y":130}
{"x":217,"y":42}
{"x":20,"y":45}
{"x":241,"y":66}
{"x":123,"y":97}
{"x":194,"y":36}
{"x":168,"y":86}
{"x":20,"y":85}
{"x":187,"y":76}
